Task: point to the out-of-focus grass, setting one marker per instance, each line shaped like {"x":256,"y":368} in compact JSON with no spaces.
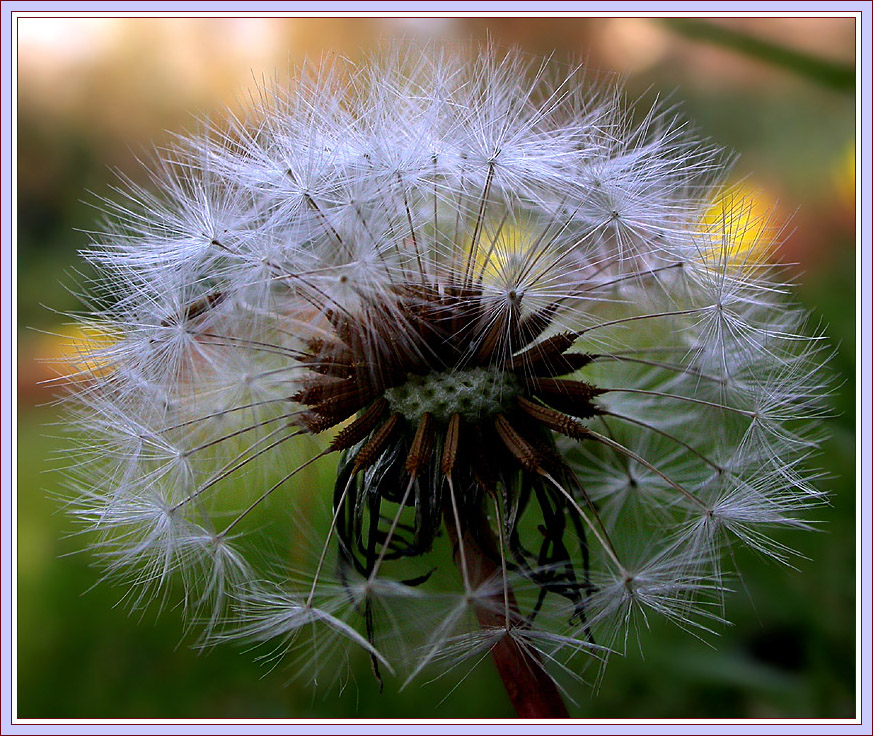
{"x":83,"y":655}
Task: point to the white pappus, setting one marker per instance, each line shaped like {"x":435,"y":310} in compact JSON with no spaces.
{"x":437,"y":353}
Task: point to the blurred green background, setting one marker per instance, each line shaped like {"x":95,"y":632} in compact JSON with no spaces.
{"x":95,"y":92}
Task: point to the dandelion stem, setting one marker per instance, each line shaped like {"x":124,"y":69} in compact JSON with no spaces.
{"x":532,"y":692}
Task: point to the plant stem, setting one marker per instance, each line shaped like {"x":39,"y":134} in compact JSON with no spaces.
{"x":829,"y":73}
{"x":532,"y":692}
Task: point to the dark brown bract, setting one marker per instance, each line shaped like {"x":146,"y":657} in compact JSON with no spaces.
{"x":450,"y":399}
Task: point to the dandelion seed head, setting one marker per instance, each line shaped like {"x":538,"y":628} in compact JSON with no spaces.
{"x":552,"y":362}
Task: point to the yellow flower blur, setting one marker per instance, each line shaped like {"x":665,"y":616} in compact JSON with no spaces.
{"x":740,"y":225}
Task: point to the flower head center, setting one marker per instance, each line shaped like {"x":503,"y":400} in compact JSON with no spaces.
{"x":475,"y":394}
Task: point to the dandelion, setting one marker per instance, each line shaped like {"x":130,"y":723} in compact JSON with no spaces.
{"x":501,"y":314}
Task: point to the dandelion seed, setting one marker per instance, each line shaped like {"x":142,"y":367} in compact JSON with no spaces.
{"x":507,"y":313}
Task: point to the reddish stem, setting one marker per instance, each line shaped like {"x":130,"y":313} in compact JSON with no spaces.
{"x":532,"y":692}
